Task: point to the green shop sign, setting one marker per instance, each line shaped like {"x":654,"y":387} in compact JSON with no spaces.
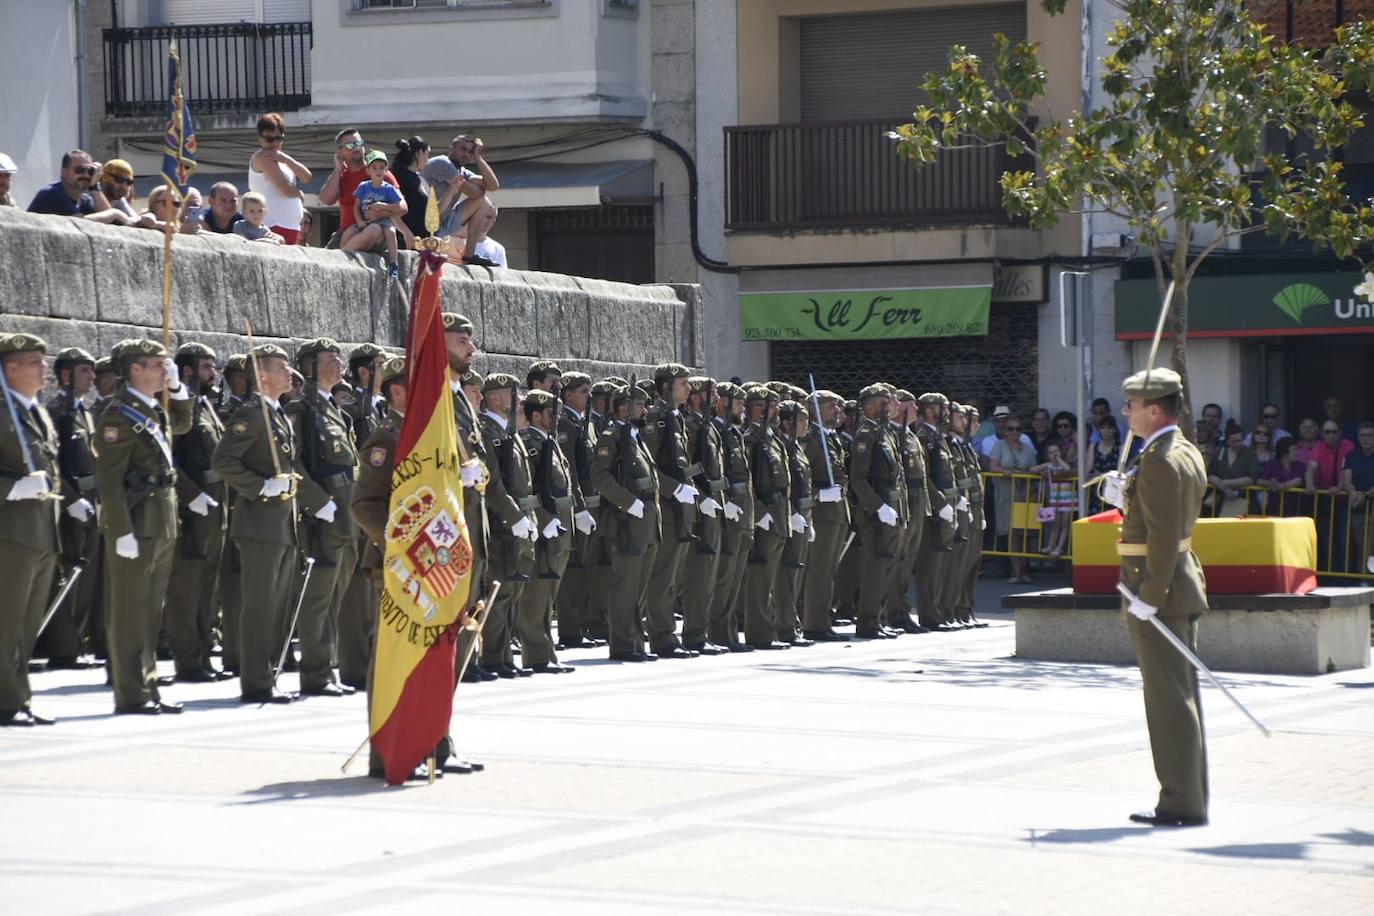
{"x":1257,"y":305}
{"x":870,"y":314}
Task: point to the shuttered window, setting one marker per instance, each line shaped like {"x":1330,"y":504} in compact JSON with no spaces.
{"x":223,"y":12}
{"x":871,"y":66}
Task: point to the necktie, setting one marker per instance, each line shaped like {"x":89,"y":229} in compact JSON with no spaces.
{"x":38,"y":421}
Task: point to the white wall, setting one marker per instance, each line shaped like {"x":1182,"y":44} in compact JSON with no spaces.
{"x":39,"y":119}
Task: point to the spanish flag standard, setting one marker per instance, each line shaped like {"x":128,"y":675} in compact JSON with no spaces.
{"x":428,"y":563}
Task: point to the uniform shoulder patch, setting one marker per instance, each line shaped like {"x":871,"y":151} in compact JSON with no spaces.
{"x":861,"y":445}
{"x":604,"y":451}
{"x":110,"y":432}
{"x":377,"y":457}
{"x":240,"y":427}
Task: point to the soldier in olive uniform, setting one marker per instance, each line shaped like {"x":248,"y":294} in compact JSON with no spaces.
{"x":963,"y":602}
{"x":847,"y":585}
{"x":737,"y":519}
{"x":951,"y":568}
{"x":801,"y":529}
{"x":911,"y":454}
{"x":576,"y":437}
{"x":30,"y":503}
{"x":260,"y":459}
{"x":458,"y":332}
{"x":358,"y":608}
{"x":706,"y":452}
{"x":665,"y":435}
{"x":136,"y":480}
{"x":188,"y":615}
{"x":235,"y":388}
{"x":325,"y":436}
{"x":106,"y":383}
{"x":553,"y":483}
{"x":873,"y":474}
{"x":830,"y":518}
{"x":624,"y":473}
{"x":510,"y":512}
{"x":62,"y":640}
{"x":772,"y":514}
{"x":938,"y":539}
{"x":1162,"y":498}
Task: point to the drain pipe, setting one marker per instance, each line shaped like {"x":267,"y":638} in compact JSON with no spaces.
{"x":83,"y":91}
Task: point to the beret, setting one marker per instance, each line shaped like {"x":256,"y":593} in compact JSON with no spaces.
{"x":136,"y":349}
{"x":903,"y":395}
{"x":472,"y":377}
{"x":825,"y":395}
{"x":545,"y":366}
{"x":364,"y":353}
{"x":318,"y":345}
{"x":666,"y":371}
{"x":539,"y":399}
{"x":876,"y":390}
{"x":263,"y":351}
{"x":573,"y":380}
{"x":72,"y":356}
{"x":20,"y":343}
{"x":699,"y":383}
{"x":790,"y":409}
{"x":104,"y":364}
{"x":933,"y":397}
{"x":499,"y":381}
{"x":392,"y":369}
{"x":1149,"y":384}
{"x":195,"y":350}
{"x":237,"y":362}
{"x":456,"y":324}
{"x":629,"y":392}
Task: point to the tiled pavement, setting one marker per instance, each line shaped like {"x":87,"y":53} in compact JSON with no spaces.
{"x":931,"y":774}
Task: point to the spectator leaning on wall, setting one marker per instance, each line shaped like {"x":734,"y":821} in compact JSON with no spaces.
{"x":7,"y":170}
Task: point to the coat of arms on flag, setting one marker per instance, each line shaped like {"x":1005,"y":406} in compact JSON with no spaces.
{"x":433,"y":554}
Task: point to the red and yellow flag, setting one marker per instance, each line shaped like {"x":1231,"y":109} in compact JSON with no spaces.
{"x":428,"y":564}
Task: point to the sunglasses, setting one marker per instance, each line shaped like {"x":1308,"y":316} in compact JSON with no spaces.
{"x":1331,"y":432}
{"x":1270,"y":416}
{"x":87,"y":170}
{"x":353,"y":144}
{"x":1013,"y":429}
{"x":274,"y":138}
{"x":120,"y":180}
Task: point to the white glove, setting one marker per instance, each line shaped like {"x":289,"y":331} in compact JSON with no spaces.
{"x":765,"y":521}
{"x":471,"y":473}
{"x":127,"y":546}
{"x":985,"y":524}
{"x":685,"y":493}
{"x":31,"y":486}
{"x":1113,"y":489}
{"x":522,"y":528}
{"x":947,"y":513}
{"x":733,"y":512}
{"x":202,"y":504}
{"x":798,"y":522}
{"x":584,"y":522}
{"x":887,"y":515}
{"x":275,"y":486}
{"x":81,"y":510}
{"x":1140,"y":610}
{"x":553,"y":529}
{"x":636,"y":509}
{"x":326,"y":513}
{"x":962,"y":505}
{"x":810,"y":533}
{"x":830,"y":494}
{"x":709,"y":507}
{"x":175,"y":389}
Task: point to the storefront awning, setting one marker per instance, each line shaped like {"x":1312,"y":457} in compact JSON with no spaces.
{"x":1254,"y":305}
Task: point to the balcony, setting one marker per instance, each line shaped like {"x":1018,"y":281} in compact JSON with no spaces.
{"x":846,"y":174}
{"x":242,"y":67}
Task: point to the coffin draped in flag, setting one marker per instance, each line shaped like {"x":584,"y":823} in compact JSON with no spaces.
{"x":428,"y":562}
{"x":179,"y":138}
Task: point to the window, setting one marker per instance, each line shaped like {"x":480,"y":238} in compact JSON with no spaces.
{"x":610,"y":242}
{"x":365,"y":5}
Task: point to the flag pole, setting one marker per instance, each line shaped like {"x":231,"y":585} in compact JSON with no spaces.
{"x":175,"y":126}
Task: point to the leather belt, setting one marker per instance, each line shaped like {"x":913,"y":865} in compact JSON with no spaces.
{"x":740,"y":489}
{"x":527,"y":503}
{"x":805,"y":502}
{"x":964,"y":483}
{"x":210,"y":477}
{"x":1124,"y":549}
{"x":715,"y":487}
{"x":85,"y":484}
{"x":562,"y":503}
{"x":592,"y":501}
{"x":694,"y":470}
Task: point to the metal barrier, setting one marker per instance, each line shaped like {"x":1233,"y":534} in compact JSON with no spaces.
{"x":1035,"y":506}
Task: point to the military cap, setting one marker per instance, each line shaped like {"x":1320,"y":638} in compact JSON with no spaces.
{"x":472,"y":377}
{"x":902,"y":394}
{"x":972,"y":412}
{"x":603,"y":388}
{"x":825,"y":395}
{"x":797,"y":394}
{"x":267,"y":350}
{"x":391,"y":370}
{"x":363,"y":353}
{"x":851,"y":406}
{"x":933,"y":397}
{"x":104,"y":364}
{"x":647,"y":386}
{"x":775,"y":386}
{"x":237,"y":362}
{"x":956,"y":407}
{"x":1151,"y":384}
{"x":616,"y":381}
{"x":629,"y":392}
{"x":538,"y":399}
{"x":499,"y":381}
{"x":665,"y":372}
{"x":575,"y":380}
{"x":730,"y":390}
{"x":21,"y":343}
{"x":72,"y":356}
{"x":876,"y":390}
{"x":457,"y":324}
{"x":192,"y":350}
{"x":544,"y":367}
{"x":297,"y":378}
{"x":317,"y":346}
{"x":758,"y":394}
{"x":137,"y":349}
{"x":791,"y":410}
{"x":700,"y":383}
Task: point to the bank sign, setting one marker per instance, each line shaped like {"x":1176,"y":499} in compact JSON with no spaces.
{"x":870,"y":314}
{"x":1259,"y":305}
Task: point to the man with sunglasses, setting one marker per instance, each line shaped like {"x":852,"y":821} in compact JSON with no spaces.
{"x":349,"y":172}
{"x":70,"y":194}
{"x":1269,"y":417}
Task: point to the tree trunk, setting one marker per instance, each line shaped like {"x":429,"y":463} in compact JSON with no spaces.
{"x":1178,"y":329}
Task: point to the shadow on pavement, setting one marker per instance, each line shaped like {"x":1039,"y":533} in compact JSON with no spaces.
{"x":1088,"y":835}
{"x":1256,"y":850}
{"x":329,"y":787}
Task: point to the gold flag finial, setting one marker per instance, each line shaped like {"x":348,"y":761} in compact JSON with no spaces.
{"x":432,"y":213}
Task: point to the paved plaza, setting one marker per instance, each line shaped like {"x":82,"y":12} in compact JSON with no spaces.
{"x":929,"y":774}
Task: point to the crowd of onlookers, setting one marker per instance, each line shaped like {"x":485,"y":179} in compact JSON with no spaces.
{"x":383,"y":202}
{"x":1325,"y":471}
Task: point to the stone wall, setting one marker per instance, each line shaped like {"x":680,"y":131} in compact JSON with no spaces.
{"x":78,"y":283}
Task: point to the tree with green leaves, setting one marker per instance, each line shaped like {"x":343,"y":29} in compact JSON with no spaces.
{"x":1190,"y":90}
